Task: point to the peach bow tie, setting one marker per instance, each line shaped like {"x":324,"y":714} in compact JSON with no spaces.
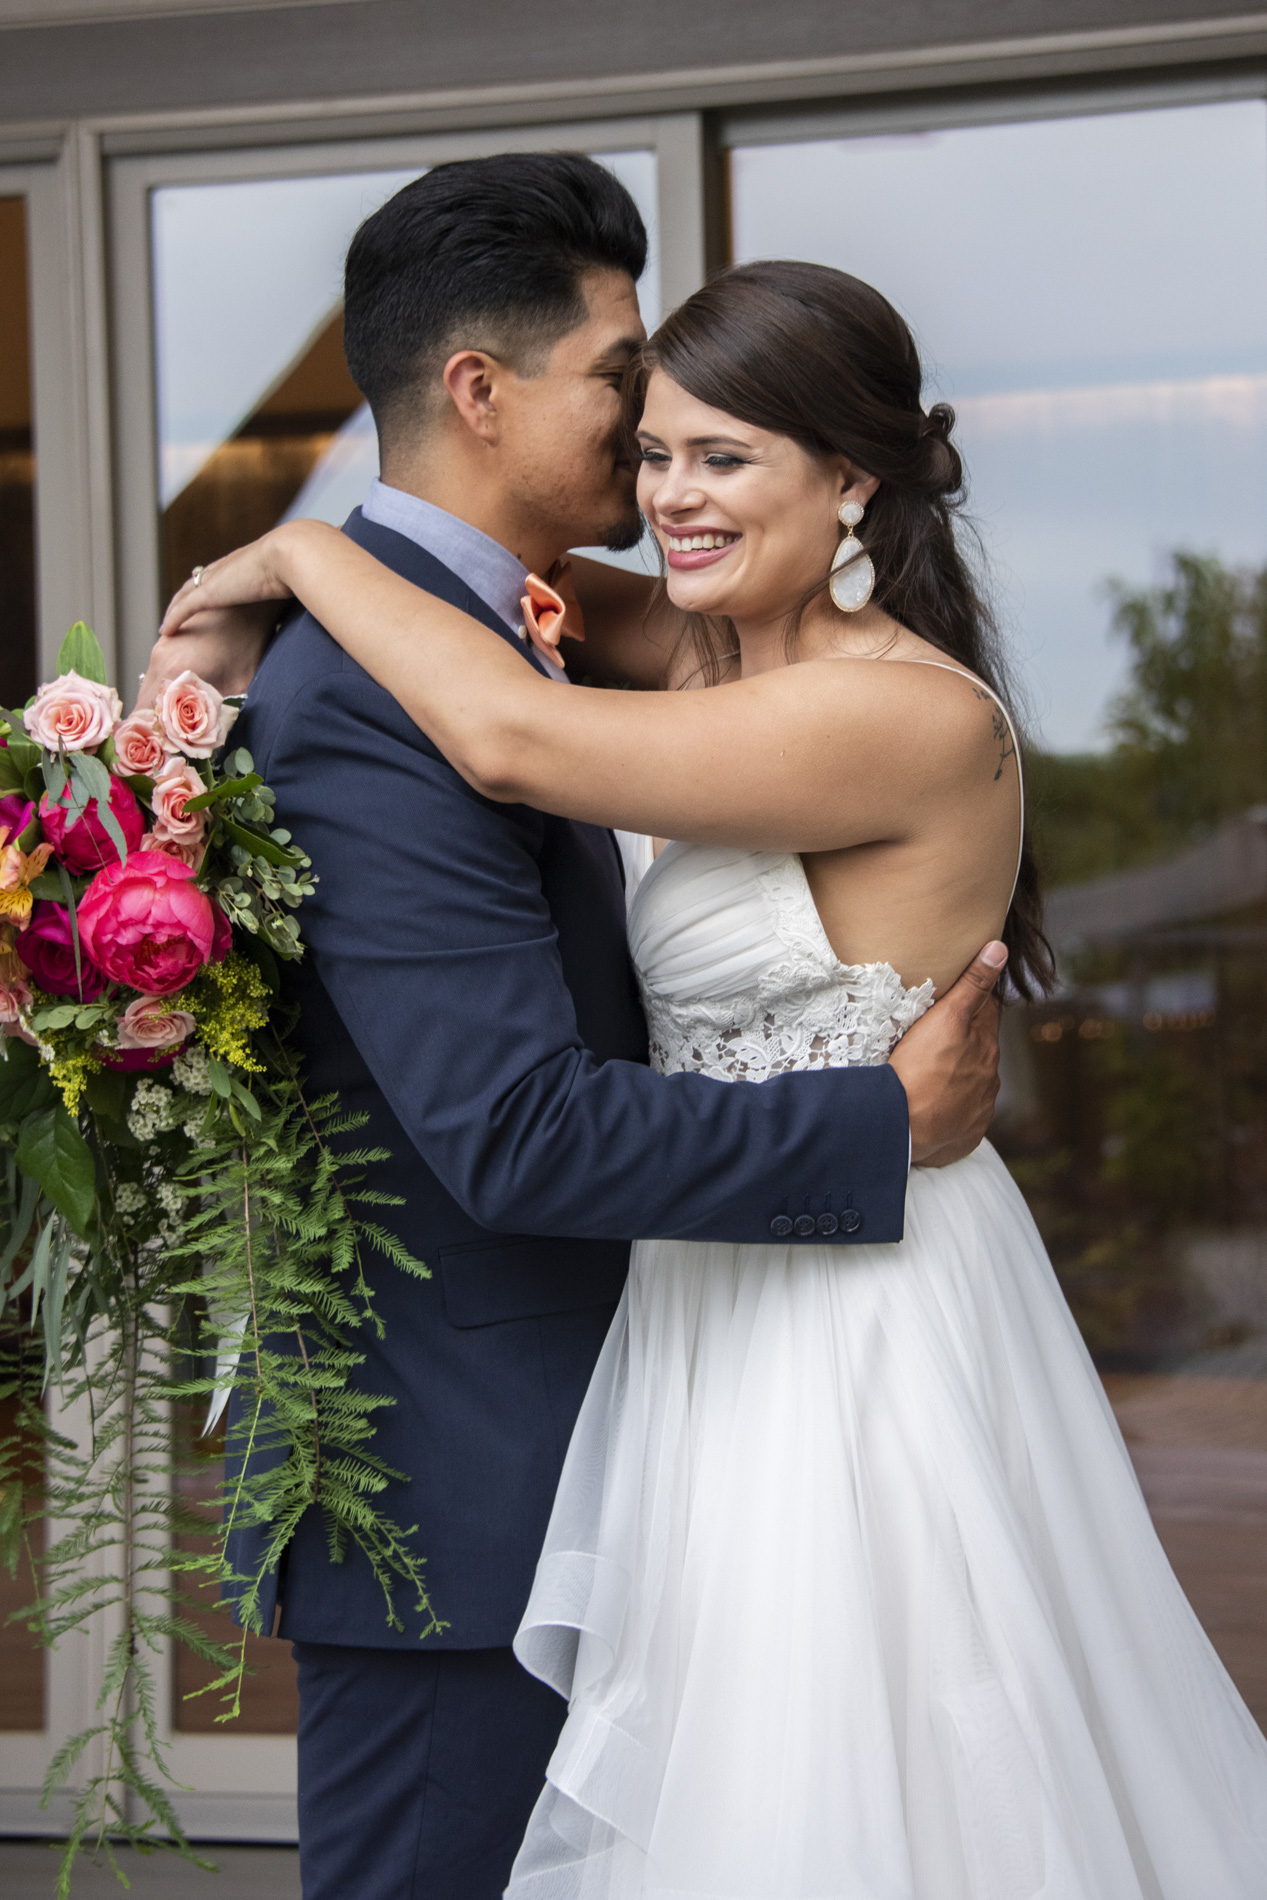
{"x":551,"y":612}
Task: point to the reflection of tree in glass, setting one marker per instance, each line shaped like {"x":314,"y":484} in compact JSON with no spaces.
{"x":1143,"y":1142}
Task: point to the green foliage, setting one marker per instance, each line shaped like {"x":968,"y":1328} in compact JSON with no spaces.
{"x":80,"y":652}
{"x":209,"y":1207}
{"x":1188,"y":736}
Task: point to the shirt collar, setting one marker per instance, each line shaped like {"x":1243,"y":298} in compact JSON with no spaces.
{"x":487,"y":568}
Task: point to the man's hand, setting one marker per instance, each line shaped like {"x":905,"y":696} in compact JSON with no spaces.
{"x":223,"y":645}
{"x":949,"y":1065}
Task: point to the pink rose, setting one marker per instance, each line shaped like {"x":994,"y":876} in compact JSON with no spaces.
{"x":190,"y":854}
{"x":72,"y":713}
{"x":176,"y":784}
{"x":194,"y":716}
{"x":86,"y":844}
{"x":147,"y":924}
{"x":47,"y":950}
{"x":140,"y":750}
{"x":148,"y":1023}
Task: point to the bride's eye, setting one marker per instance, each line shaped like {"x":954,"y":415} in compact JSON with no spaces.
{"x":657,"y":457}
{"x":718,"y":460}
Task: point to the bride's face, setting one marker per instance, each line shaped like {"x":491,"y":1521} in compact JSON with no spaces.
{"x":747,"y":520}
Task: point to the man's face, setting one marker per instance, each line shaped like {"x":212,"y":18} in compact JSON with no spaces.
{"x":566,"y":464}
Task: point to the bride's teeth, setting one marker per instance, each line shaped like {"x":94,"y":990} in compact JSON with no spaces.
{"x":708,"y":540}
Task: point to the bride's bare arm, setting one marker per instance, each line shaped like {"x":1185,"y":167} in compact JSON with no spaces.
{"x":806,"y":758}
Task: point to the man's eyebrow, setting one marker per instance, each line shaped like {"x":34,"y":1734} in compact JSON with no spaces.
{"x":621,"y":351}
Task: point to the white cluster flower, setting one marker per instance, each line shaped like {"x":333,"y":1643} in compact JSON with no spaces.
{"x":129,"y":1199}
{"x":192,"y":1072}
{"x":169,"y":1199}
{"x":194,"y":1129}
{"x":154,"y":1110}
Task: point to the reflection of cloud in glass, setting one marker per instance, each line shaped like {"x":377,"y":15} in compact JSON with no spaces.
{"x":1091,"y":293}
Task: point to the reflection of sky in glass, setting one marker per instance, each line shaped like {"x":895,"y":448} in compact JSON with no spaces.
{"x":246,"y":274}
{"x":1092,"y":295}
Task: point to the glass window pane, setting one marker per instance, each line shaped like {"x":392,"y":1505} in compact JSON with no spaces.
{"x":1091,"y":294}
{"x":17,"y":465}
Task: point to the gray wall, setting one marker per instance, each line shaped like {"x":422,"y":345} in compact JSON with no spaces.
{"x":398,"y":46}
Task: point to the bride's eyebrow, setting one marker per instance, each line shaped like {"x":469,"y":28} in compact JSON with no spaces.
{"x":716,"y":441}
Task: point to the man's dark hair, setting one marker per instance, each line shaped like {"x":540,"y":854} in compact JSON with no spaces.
{"x":485,"y":253}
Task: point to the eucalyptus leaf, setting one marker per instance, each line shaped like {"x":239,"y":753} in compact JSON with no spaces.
{"x":80,"y":652}
{"x":228,"y":788}
{"x":258,"y":847}
{"x":54,"y":1153}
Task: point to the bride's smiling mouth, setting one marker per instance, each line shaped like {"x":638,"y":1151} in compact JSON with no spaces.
{"x":698,"y":547}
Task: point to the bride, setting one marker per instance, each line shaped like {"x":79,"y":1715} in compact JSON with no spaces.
{"x":849,"y":1583}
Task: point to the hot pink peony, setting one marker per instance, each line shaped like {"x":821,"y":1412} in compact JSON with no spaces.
{"x":72,"y":713}
{"x":194,"y":716}
{"x":47,"y":950}
{"x":86,"y":845}
{"x":140,"y":749}
{"x":149,"y":1022}
{"x":147,"y":924}
{"x":176,"y":783}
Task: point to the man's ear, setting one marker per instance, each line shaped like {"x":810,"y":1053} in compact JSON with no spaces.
{"x":471,"y":378}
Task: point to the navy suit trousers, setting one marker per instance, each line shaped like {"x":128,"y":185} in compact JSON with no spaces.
{"x":417,"y":1771}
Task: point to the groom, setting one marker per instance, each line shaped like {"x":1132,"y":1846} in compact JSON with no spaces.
{"x":468,"y":988}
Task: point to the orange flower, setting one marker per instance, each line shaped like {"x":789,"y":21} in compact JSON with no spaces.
{"x":18,"y":868}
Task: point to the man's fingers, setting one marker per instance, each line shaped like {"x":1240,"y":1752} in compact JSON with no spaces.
{"x":979,"y":979}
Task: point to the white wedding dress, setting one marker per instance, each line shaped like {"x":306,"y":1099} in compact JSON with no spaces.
{"x":849,"y":1581}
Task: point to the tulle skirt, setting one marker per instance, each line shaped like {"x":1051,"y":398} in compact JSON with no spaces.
{"x":854,"y":1595}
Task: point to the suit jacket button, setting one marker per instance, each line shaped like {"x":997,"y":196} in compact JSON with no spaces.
{"x":781,"y":1226}
{"x":803,"y":1226}
{"x":827,"y":1223}
{"x":850,"y":1221}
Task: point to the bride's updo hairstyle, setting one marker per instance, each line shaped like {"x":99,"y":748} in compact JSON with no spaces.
{"x":814,"y":354}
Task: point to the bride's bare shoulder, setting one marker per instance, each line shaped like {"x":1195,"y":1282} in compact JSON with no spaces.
{"x":920,"y":704}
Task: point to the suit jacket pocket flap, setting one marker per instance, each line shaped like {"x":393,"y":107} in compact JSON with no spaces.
{"x":489,"y":1281}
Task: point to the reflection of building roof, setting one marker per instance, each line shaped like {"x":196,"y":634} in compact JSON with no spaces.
{"x":1227,"y":871}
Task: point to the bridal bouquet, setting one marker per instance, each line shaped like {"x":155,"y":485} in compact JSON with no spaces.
{"x":177,"y":1219}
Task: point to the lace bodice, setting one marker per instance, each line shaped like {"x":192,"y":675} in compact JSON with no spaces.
{"x":739,"y":980}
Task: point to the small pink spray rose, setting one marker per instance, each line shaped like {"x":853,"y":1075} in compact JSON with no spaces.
{"x":176,"y":784}
{"x":193,"y":716}
{"x":149,"y":1022}
{"x":140,"y":747}
{"x":72,"y":714}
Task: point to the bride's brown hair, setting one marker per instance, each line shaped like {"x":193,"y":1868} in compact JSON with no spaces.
{"x":819,"y":356}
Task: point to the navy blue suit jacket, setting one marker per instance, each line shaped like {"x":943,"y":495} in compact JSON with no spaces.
{"x":467,"y":985}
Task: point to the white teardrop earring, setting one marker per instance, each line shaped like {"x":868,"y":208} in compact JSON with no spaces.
{"x":852,"y":575}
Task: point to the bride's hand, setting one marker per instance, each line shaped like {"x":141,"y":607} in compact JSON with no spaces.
{"x":222,"y":645}
{"x":257,"y":572}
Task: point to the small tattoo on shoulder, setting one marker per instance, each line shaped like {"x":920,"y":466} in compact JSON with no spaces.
{"x":1001,"y":730}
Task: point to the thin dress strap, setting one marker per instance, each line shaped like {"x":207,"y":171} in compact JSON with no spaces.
{"x":972,"y":680}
